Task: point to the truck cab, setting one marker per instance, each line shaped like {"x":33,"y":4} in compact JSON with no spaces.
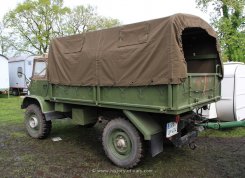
{"x":39,"y":80}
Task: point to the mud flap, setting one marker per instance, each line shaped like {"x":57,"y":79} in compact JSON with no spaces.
{"x":156,"y":144}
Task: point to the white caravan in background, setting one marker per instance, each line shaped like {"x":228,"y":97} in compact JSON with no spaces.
{"x":4,"y":74}
{"x":20,"y":72}
{"x":231,"y":107}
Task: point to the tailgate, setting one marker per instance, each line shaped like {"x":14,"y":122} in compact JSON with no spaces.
{"x":198,"y":89}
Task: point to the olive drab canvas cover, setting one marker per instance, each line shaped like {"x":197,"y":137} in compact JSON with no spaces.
{"x":145,"y":53}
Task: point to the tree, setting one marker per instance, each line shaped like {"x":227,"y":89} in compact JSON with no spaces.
{"x":229,"y":20}
{"x":33,"y":22}
{"x":83,"y":19}
{"x":4,"y":41}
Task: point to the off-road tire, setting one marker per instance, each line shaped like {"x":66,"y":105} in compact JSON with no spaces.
{"x":122,"y":127}
{"x":15,"y":92}
{"x":43,"y":127}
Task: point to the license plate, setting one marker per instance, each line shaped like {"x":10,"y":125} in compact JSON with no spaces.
{"x":171,"y":129}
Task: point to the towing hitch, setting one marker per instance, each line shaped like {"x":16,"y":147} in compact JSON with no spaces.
{"x":192,"y":145}
{"x":188,"y":139}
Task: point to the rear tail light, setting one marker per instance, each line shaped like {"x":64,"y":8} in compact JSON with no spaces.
{"x":177,"y":118}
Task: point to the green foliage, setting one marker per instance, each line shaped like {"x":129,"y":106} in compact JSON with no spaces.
{"x":83,"y":19}
{"x":4,"y":41}
{"x":33,"y":23}
{"x":228,"y":19}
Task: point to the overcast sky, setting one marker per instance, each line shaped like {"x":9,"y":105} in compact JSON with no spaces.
{"x":127,"y":11}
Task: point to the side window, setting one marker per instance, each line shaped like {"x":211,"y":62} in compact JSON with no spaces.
{"x":39,"y":69}
{"x":133,"y":35}
{"x":19,"y":72}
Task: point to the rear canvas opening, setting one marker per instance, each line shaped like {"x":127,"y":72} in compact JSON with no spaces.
{"x":200,"y":51}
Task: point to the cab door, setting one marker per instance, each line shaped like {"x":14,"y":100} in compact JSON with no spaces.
{"x":39,"y":83}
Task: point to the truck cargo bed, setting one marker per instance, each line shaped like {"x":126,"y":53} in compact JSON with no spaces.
{"x":197,"y":90}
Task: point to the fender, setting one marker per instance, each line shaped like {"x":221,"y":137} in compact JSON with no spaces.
{"x":45,"y":106}
{"x":149,"y":128}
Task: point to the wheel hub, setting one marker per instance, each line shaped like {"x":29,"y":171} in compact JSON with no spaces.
{"x":121,"y":142}
{"x":33,"y":122}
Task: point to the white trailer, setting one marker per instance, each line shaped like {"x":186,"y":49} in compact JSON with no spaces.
{"x":20,"y":72}
{"x":231,"y":106}
{"x":4,"y":74}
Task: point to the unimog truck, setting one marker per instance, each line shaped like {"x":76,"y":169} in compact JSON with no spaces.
{"x":145,"y":79}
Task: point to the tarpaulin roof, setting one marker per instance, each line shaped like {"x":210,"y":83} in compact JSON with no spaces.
{"x":145,"y":53}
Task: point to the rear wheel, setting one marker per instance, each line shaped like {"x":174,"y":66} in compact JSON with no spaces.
{"x":35,"y":122}
{"x":15,"y":92}
{"x":122,"y":143}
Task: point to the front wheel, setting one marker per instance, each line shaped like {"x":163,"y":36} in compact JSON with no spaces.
{"x":35,"y":122}
{"x":122,"y":143}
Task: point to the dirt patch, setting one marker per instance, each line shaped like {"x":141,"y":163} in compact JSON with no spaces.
{"x":80,"y":154}
{"x":225,"y":156}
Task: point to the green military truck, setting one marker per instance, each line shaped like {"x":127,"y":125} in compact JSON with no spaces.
{"x":144,"y":78}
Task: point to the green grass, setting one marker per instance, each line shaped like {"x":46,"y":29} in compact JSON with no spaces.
{"x":225,"y":133}
{"x":10,"y":111}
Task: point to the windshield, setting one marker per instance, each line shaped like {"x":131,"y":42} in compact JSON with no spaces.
{"x":40,"y":69}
